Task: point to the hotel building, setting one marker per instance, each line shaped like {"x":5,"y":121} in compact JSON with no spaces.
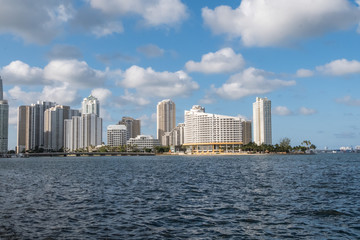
{"x":212,"y":133}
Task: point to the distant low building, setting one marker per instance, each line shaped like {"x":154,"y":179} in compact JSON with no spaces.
{"x":143,"y":142}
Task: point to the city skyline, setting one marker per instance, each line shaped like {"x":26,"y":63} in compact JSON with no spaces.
{"x":220,"y":55}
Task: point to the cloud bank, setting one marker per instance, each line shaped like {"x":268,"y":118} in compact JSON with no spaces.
{"x":278,"y":22}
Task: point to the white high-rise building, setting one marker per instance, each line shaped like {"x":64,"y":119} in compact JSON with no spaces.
{"x":206,"y":132}
{"x":54,"y":126}
{"x":4,"y":121}
{"x":91,"y":105}
{"x":166,"y":118}
{"x":73,"y":136}
{"x":116,"y":135}
{"x":176,"y":136}
{"x":262,"y":121}
{"x":82,"y":132}
{"x":201,"y":127}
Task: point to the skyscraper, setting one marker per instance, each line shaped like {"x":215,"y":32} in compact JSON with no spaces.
{"x":30,"y":130}
{"x":166,"y":118}
{"x":4,"y":121}
{"x":262,"y":121}
{"x":91,"y":105}
{"x":54,"y":126}
{"x":132,"y":127}
{"x":86,"y":130}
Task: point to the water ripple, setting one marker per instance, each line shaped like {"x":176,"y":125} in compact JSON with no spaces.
{"x":222,"y":197}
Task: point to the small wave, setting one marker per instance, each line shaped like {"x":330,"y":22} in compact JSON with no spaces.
{"x":328,"y":213}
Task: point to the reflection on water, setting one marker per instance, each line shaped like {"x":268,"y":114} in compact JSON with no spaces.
{"x":250,"y":197}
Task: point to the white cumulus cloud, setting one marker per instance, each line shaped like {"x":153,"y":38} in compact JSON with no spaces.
{"x":348,"y":100}
{"x":18,"y":72}
{"x":132,"y":99}
{"x":35,"y":21}
{"x":77,"y":73}
{"x":154,"y":13}
{"x":103,"y":94}
{"x":149,"y":83}
{"x":250,"y":82}
{"x":224,"y":60}
{"x":302,"y":73}
{"x":282,"y":111}
{"x":65,"y":95}
{"x":278,"y":22}
{"x":74,"y":72}
{"x":307,"y":111}
{"x":340,"y":67}
{"x":151,"y":50}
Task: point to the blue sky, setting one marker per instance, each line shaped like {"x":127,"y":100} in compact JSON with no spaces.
{"x":303,"y":55}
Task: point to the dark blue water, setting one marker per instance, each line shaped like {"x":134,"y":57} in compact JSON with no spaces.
{"x":220,"y":197}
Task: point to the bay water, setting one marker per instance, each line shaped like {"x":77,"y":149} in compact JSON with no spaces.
{"x":181,"y":197}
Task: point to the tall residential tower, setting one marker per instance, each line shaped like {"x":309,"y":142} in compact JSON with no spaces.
{"x":91,"y":105}
{"x":166,"y":119}
{"x":262,"y":121}
{"x":4,"y":121}
{"x":132,"y":126}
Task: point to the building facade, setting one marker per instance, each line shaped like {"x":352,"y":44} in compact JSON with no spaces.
{"x":166,"y":118}
{"x":81,"y":132}
{"x":4,"y":121}
{"x":116,"y":135}
{"x":90,"y":105}
{"x":262,"y":121}
{"x":30,"y":126}
{"x":246,"y":132}
{"x":133,"y":127}
{"x":177,"y":135}
{"x":142,"y":142}
{"x":54,"y":118}
{"x":211,"y":133}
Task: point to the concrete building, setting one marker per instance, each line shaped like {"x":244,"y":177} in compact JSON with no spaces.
{"x":116,"y":135}
{"x":262,"y":121}
{"x":211,"y":133}
{"x":143,"y":142}
{"x":30,"y":126}
{"x":82,"y":132}
{"x":166,"y":118}
{"x":91,"y":105}
{"x":4,"y":121}
{"x":73,"y":133}
{"x":133,"y":127}
{"x":177,"y":135}
{"x":54,"y":126}
{"x":246,"y":132}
